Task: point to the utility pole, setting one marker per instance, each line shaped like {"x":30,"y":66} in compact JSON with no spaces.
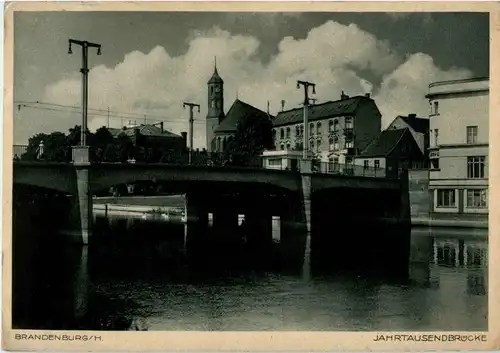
{"x":85,"y":80}
{"x":306,"y":86}
{"x":191,"y":121}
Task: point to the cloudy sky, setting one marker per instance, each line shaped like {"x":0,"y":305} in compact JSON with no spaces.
{"x":152,"y":62}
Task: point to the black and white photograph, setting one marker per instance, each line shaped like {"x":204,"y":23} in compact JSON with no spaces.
{"x":250,"y":171}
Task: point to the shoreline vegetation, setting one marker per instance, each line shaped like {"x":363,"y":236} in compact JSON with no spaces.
{"x":172,"y":208}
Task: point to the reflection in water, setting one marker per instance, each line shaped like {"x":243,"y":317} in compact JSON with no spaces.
{"x":136,"y":275}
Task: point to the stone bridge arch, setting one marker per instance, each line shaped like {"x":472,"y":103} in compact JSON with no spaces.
{"x":53,"y":176}
{"x":192,"y":178}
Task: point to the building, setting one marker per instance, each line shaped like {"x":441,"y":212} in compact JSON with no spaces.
{"x":151,"y":135}
{"x":458,"y":150}
{"x":419,"y":129}
{"x":338,"y":130}
{"x":391,"y":152}
{"x":221,"y":126}
{"x":238,"y":111}
{"x":215,"y":113}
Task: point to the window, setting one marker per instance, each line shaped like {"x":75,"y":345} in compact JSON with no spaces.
{"x":349,"y":144}
{"x":318,"y":128}
{"x":274,"y":162}
{"x":335,"y":143}
{"x":348,"y":123}
{"x":318,"y":146}
{"x":366,"y":164}
{"x":297,"y":130}
{"x":330,"y":125}
{"x":446,"y":198}
{"x":376,"y":163}
{"x":330,"y":143}
{"x":311,"y":143}
{"x":475,"y":167}
{"x":282,"y":147}
{"x":471,"y":134}
{"x":335,"y":125}
{"x":477,"y":198}
{"x":282,"y":133}
{"x":436,"y":137}
{"x":436,"y":108}
{"x":311,"y":128}
{"x":287,"y":146}
{"x":287,"y":132}
{"x":435,"y":163}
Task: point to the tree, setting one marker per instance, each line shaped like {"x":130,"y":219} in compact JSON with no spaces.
{"x":253,"y":135}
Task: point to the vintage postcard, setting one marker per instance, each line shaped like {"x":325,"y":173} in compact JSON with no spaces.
{"x":251,"y":176}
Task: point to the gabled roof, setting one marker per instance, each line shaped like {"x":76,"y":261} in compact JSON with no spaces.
{"x":238,"y":111}
{"x":341,"y":107}
{"x":383,"y":145}
{"x":420,"y":125}
{"x":145,"y":130}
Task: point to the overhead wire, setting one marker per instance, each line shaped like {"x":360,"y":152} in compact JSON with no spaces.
{"x":97,"y":112}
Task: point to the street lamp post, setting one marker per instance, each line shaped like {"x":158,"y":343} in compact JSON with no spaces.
{"x":306,"y":85}
{"x":191,"y":121}
{"x":85,"y":80}
{"x":82,"y":210}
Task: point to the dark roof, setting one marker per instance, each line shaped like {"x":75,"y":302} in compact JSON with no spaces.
{"x":145,"y":130}
{"x":320,"y":111}
{"x":238,"y":111}
{"x":215,"y":77}
{"x":418,"y":124}
{"x":383,"y":145}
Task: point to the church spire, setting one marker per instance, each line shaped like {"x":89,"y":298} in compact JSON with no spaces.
{"x":215,"y":77}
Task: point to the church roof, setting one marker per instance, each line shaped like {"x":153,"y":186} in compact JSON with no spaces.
{"x":238,"y":111}
{"x":215,"y":77}
{"x":341,"y":107}
{"x":384,"y":144}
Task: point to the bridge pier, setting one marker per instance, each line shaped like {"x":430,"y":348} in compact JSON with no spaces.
{"x":81,"y":217}
{"x":306,"y":169}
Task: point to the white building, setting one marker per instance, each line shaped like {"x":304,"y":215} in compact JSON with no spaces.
{"x":458,"y":146}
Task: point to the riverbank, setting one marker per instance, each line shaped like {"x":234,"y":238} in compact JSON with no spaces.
{"x":139,"y":206}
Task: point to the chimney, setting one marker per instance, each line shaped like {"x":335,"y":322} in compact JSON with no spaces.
{"x":412,"y":115}
{"x":343,"y":96}
{"x":367,"y":95}
{"x":282,"y":105}
{"x":161,"y":126}
{"x":184,"y":137}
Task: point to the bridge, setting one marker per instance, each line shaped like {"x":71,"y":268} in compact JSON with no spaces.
{"x":305,"y":198}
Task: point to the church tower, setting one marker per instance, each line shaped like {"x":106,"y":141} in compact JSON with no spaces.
{"x":215,"y":107}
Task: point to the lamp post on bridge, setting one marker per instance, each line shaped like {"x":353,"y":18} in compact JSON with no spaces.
{"x":85,"y":80}
{"x":306,"y":86}
{"x":82,"y":210}
{"x":191,"y":121}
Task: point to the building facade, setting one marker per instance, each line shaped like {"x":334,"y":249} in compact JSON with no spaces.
{"x":458,"y":146}
{"x":391,"y":152}
{"x":338,"y":130}
{"x":419,"y":129}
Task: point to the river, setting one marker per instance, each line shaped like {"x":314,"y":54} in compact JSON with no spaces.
{"x":132,"y":278}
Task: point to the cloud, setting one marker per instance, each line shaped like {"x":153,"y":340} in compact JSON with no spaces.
{"x":334,"y":56}
{"x":402,"y":91}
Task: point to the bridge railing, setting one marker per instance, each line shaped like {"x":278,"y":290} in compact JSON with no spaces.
{"x":349,"y":169}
